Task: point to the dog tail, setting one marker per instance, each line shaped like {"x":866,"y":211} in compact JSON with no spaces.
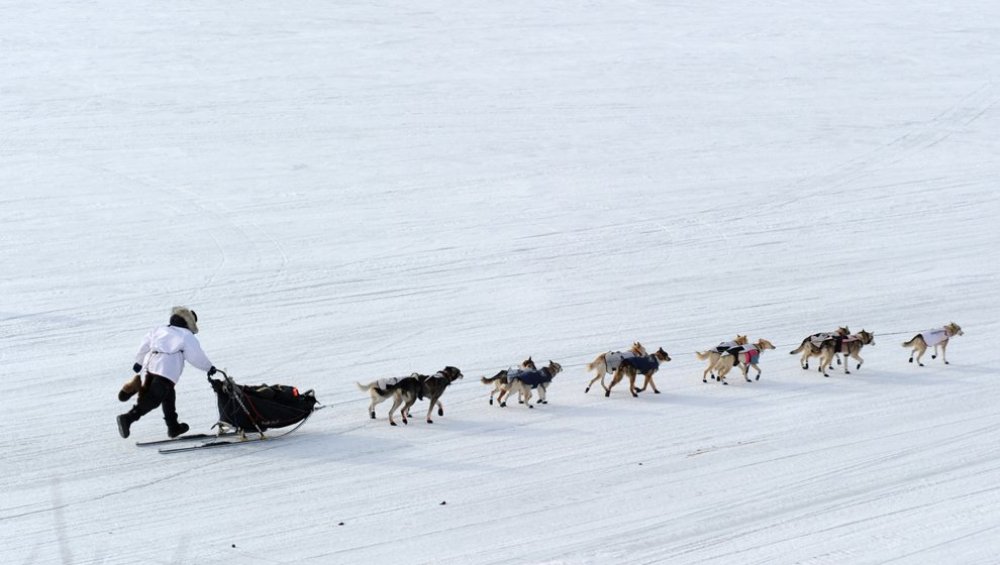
{"x":912,"y":341}
{"x":490,"y":380}
{"x":703,"y":355}
{"x":800,"y":347}
{"x":597,"y":362}
{"x":363,"y":388}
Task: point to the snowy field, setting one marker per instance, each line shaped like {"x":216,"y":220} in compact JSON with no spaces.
{"x":352,"y":190}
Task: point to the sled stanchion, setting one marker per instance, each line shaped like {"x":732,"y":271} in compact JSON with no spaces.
{"x":237,"y":394}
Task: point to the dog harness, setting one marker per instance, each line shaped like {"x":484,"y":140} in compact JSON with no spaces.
{"x":515,"y":373}
{"x":613,"y":359}
{"x":381,"y":384}
{"x":935,"y":336}
{"x":643,"y":364}
{"x":534,"y":378}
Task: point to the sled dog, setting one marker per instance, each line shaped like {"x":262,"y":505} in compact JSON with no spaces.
{"x":817,"y":339}
{"x":745,"y":358}
{"x":712,"y":355}
{"x":630,"y":367}
{"x":501,"y":379}
{"x":937,"y":337}
{"x":850,"y":346}
{"x":522,"y":382}
{"x":607,"y":363}
{"x":407,"y":391}
{"x":379,"y":392}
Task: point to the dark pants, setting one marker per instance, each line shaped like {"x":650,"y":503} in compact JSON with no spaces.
{"x":156,"y":391}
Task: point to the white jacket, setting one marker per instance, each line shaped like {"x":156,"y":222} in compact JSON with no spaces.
{"x":165,"y":348}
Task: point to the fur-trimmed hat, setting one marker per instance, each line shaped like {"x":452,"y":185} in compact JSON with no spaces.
{"x":185,"y":318}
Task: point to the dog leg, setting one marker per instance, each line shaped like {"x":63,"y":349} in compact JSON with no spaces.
{"x":395,"y":404}
{"x":406,"y":409}
{"x":651,"y":383}
{"x":944,"y":347}
{"x":594,"y":380}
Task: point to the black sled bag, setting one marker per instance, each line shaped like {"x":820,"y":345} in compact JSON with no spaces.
{"x":260,"y":407}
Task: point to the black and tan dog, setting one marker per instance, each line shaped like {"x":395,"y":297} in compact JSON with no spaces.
{"x":607,"y":363}
{"x":938,"y":338}
{"x":501,"y":380}
{"x":645,"y":365}
{"x":850,"y":346}
{"x":416,"y":387}
{"x":810,"y":346}
{"x":523,"y":382}
{"x":379,"y":391}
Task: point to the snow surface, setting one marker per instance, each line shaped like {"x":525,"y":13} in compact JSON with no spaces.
{"x":351,"y":190}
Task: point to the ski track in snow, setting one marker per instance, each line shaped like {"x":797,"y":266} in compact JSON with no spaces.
{"x":354,"y":191}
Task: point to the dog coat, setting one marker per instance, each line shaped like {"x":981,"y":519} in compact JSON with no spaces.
{"x":750,"y":355}
{"x":818,"y":339}
{"x":643,"y":364}
{"x":381,"y":384}
{"x":613,"y":359}
{"x":935,"y":337}
{"x":535,"y":378}
{"x":515,"y":372}
{"x":726,"y":346}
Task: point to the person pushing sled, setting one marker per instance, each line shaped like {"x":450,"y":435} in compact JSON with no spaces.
{"x":242,"y":408}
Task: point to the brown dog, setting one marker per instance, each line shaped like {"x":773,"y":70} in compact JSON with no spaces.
{"x":744,"y":360}
{"x":645,"y":365}
{"x":713,"y":355}
{"x":850,"y":346}
{"x":607,"y":363}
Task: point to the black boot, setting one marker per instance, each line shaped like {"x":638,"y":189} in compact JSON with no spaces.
{"x":174,"y":430}
{"x":125,"y":423}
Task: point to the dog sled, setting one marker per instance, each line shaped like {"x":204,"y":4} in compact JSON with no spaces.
{"x":249,"y":409}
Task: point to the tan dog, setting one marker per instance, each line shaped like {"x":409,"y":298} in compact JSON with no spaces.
{"x":850,"y":346}
{"x":744,"y":359}
{"x":809,"y":352}
{"x":645,"y":365}
{"x":713,"y":355}
{"x":607,"y":363}
{"x":501,"y":382}
{"x":938,"y":338}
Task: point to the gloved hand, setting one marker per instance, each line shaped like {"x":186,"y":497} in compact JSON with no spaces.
{"x":212,"y":370}
{"x":137,"y":368}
